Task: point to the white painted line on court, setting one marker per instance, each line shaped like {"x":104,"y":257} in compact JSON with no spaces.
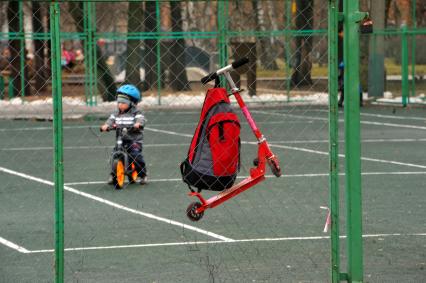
{"x":393,"y":117}
{"x":382,"y":116}
{"x":343,"y":156}
{"x":342,"y":120}
{"x":267,"y":176}
{"x":390,"y":162}
{"x":342,"y":141}
{"x":119,"y":206}
{"x":168,"y":132}
{"x":394,"y":125}
{"x":304,"y":150}
{"x":42,"y":128}
{"x":175,"y":244}
{"x":13,"y":246}
{"x":87,"y":147}
{"x":185,"y":144}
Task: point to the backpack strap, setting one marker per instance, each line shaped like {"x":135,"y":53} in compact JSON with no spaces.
{"x":183,"y":172}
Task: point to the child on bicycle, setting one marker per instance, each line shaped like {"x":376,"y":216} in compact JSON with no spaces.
{"x":127,"y":115}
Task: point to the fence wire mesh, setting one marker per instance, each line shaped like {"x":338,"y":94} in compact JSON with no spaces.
{"x":271,"y":233}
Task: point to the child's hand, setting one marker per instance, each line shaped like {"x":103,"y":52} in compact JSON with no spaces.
{"x":104,"y":128}
{"x":137,"y":125}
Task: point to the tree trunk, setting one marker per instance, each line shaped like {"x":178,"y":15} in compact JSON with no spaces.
{"x":40,"y":76}
{"x":178,"y":77}
{"x":150,"y":56}
{"x":15,"y":52}
{"x":133,"y":63}
{"x":267,"y":55}
{"x":303,"y":65}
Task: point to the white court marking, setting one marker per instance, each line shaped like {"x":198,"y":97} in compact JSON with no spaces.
{"x":185,"y":144}
{"x":302,"y":149}
{"x":224,"y":239}
{"x":384,"y":116}
{"x":119,"y":206}
{"x":195,"y":243}
{"x":267,"y":176}
{"x":13,"y":246}
{"x":342,"y":120}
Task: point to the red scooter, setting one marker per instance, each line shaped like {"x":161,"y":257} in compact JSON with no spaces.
{"x":195,"y":210}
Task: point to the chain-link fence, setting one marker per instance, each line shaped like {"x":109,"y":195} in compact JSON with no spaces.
{"x":273,"y":232}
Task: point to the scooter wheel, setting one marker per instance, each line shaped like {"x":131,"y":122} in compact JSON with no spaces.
{"x":275,"y":168}
{"x":191,"y":211}
{"x":118,"y":174}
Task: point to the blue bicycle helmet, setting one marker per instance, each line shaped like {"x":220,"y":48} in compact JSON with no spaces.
{"x":131,"y":91}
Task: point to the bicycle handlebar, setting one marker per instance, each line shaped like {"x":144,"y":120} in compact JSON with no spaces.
{"x":120,"y":128}
{"x":234,"y":65}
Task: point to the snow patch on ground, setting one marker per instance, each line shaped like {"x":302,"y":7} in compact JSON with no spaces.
{"x":77,"y":107}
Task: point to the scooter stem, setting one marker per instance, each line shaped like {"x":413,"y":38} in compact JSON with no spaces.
{"x":236,"y":92}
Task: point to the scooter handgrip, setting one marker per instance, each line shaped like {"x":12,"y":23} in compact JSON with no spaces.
{"x":209,"y":78}
{"x":238,"y":63}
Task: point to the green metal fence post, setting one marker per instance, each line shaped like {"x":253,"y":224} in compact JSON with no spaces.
{"x":333,"y":132}
{"x":222,"y":18}
{"x":376,"y":65}
{"x":404,"y":66}
{"x":22,"y":48}
{"x":90,"y":52}
{"x":87,"y":53}
{"x":1,"y":87}
{"x":413,"y":49}
{"x":351,"y":57}
{"x":11,"y":89}
{"x":288,"y":38}
{"x":94,"y":96}
{"x":57,"y":140}
{"x":158,"y":29}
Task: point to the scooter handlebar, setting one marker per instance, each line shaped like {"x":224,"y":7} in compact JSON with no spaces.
{"x":238,"y":63}
{"x":234,"y":65}
{"x":208,"y":78}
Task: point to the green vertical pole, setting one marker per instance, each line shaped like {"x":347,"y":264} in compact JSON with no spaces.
{"x":404,"y":66}
{"x":376,"y":70}
{"x":1,"y":87}
{"x":222,"y":18}
{"x":287,"y":45}
{"x":351,"y":57}
{"x":22,"y":47}
{"x":413,"y":49}
{"x":92,"y":52}
{"x":88,"y":52}
{"x":58,"y":141}
{"x":94,"y":55}
{"x":333,"y":10}
{"x":11,"y":89}
{"x":158,"y":28}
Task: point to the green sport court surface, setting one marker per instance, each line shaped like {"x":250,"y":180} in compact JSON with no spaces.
{"x":271,"y":233}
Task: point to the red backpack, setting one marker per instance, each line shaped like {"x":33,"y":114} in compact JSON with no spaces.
{"x":214,"y":155}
